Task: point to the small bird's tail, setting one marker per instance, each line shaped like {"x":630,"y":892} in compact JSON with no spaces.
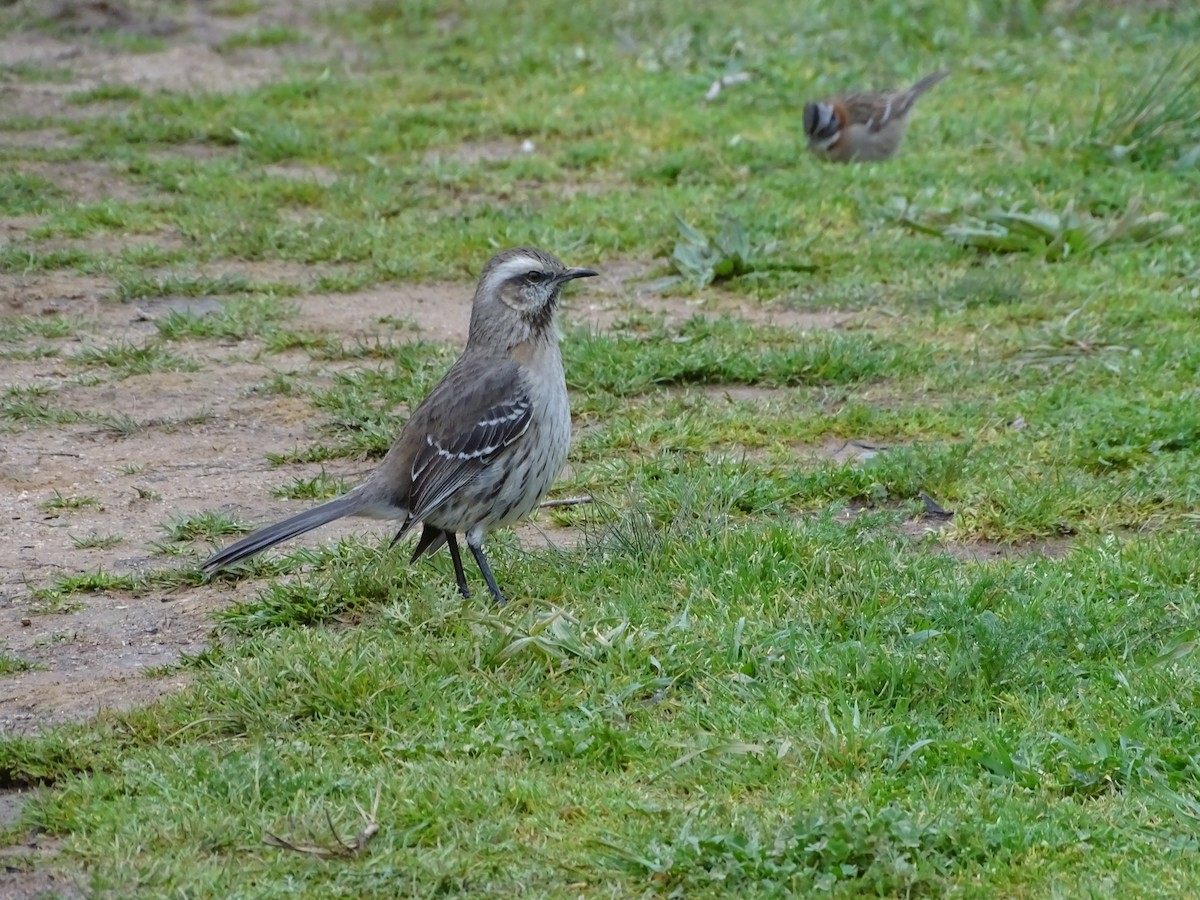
{"x":346,"y":505}
{"x":922,"y":86}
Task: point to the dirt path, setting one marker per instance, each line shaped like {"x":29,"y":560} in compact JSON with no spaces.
{"x":203,"y":437}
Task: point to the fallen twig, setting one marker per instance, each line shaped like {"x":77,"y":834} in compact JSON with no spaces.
{"x":565,"y":501}
{"x":340,"y":848}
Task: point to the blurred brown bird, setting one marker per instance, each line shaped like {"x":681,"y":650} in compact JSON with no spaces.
{"x":865,"y":126}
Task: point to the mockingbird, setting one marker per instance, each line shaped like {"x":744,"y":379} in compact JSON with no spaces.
{"x":485,"y":445}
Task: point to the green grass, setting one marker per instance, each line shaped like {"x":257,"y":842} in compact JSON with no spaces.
{"x":882,"y":718}
{"x":137,"y":285}
{"x":27,"y":194}
{"x":234,"y":8}
{"x":756,"y":675}
{"x":21,"y":328}
{"x":1156,"y":123}
{"x":31,"y":405}
{"x":203,"y":526}
{"x":127,"y":360}
{"x":13,"y":665}
{"x":238,"y":318}
{"x":262,"y":37}
{"x":25,"y":71}
{"x":64,"y":592}
{"x":97,"y":541}
{"x":80,"y":220}
{"x":106,"y":93}
{"x":61,"y":502}
{"x":321,"y":486}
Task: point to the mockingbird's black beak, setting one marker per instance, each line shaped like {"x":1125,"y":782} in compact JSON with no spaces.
{"x":572,"y":274}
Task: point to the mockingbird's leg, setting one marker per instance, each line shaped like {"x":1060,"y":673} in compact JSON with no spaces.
{"x":459,"y":575}
{"x":477,"y":552}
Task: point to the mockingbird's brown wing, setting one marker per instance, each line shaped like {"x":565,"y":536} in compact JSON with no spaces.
{"x":446,"y":463}
{"x":481,"y":407}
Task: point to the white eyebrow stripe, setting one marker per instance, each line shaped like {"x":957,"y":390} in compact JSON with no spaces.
{"x":510,"y":268}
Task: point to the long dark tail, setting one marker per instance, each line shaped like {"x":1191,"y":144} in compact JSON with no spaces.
{"x":911,"y":95}
{"x":346,"y":505}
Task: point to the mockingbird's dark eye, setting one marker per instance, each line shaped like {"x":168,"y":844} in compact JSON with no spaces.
{"x":535,"y":277}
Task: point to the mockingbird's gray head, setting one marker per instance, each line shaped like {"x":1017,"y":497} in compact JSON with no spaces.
{"x":525,"y":281}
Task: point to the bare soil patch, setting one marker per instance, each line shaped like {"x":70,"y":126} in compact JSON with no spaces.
{"x":474,"y":152}
{"x":986,"y":551}
{"x":294,"y":172}
{"x":94,"y":657}
{"x":21,"y":883}
{"x":14,"y":228}
{"x":36,"y":138}
{"x":733,"y":394}
{"x":196,"y":56}
{"x":27,"y":869}
{"x":621,"y":294}
{"x":50,"y":293}
{"x":86,"y":182}
{"x":974,"y":551}
{"x":436,"y":312}
{"x":27,"y":872}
